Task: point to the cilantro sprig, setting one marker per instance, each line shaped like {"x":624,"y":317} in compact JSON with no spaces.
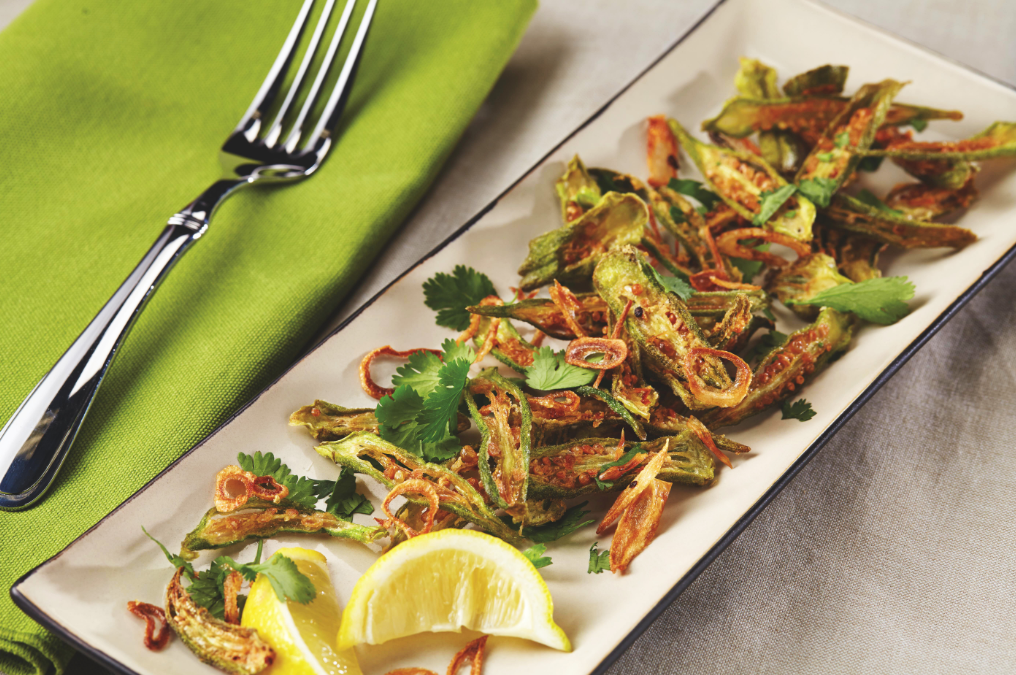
{"x":771,"y":201}
{"x":868,"y":197}
{"x":450,"y":294}
{"x":818,"y":190}
{"x":534,"y":554}
{"x":697,"y":191}
{"x":799,"y":410}
{"x":573,"y":519}
{"x":881,"y":300}
{"x":675,"y":285}
{"x":599,"y":561}
{"x":550,"y":371}
{"x":421,"y":413}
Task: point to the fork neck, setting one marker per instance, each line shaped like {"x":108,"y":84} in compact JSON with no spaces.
{"x":198,"y":213}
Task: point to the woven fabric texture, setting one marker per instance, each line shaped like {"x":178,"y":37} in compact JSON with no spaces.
{"x":112,"y":116}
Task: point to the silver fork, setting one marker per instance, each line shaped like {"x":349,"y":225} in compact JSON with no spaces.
{"x":35,"y":441}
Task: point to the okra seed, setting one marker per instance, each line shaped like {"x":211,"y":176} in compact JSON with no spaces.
{"x":633,"y":484}
{"x":638,"y":312}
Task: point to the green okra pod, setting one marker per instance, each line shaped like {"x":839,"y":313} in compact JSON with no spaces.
{"x":822,"y":81}
{"x":545,"y":315}
{"x":853,"y":215}
{"x":804,"y":279}
{"x":918,"y":201}
{"x":329,"y":422}
{"x":569,"y":253}
{"x":577,"y":190}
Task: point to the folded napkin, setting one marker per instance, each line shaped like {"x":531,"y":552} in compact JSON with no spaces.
{"x":112,"y":114}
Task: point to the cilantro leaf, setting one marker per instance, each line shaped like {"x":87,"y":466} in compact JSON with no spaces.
{"x":402,"y":406}
{"x":881,"y":300}
{"x":677,"y":215}
{"x":868,"y":197}
{"x":919,"y":124}
{"x":535,"y":555}
{"x":450,"y":294}
{"x":206,"y":590}
{"x":453,"y":350}
{"x":344,"y":500}
{"x":550,"y":371}
{"x":771,"y":201}
{"x":419,"y":372}
{"x":571,"y":520}
{"x":818,"y":190}
{"x":825,"y":156}
{"x":766,"y":344}
{"x":798,"y":410}
{"x":598,"y":562}
{"x":678,"y":287}
{"x":620,"y":461}
{"x":286,"y":579}
{"x":696,"y":190}
{"x":842,"y":139}
{"x":442,"y":405}
{"x":301,"y":490}
{"x":398,"y":424}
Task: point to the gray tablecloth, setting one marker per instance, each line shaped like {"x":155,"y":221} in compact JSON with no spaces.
{"x":895,"y":549}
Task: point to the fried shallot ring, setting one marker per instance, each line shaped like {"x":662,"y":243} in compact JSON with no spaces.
{"x":419,"y":486}
{"x":474,"y":651}
{"x":538,"y":337}
{"x":706,"y":437}
{"x":155,"y":640}
{"x":552,"y":401}
{"x":230,"y":589}
{"x":721,"y":398}
{"x":234,"y":487}
{"x":410,"y":671}
{"x":614,"y":352}
{"x":567,"y":303}
{"x":730,"y":244}
{"x":641,"y":482}
{"x":709,"y":280}
{"x":374,"y":390}
{"x":614,"y":336}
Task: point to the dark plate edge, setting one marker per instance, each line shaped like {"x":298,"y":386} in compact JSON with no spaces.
{"x":39,"y":616}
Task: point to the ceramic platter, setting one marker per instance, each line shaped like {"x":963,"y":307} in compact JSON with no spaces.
{"x":81,"y":593}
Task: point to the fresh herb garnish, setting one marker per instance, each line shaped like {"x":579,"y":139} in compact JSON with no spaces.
{"x":550,"y":371}
{"x":397,"y":423}
{"x":571,"y":520}
{"x":818,"y":190}
{"x":798,"y":410}
{"x":771,"y":201}
{"x":881,"y":300}
{"x":442,"y":404}
{"x":842,"y":139}
{"x":620,"y":461}
{"x":675,"y":285}
{"x":919,"y":124}
{"x":677,"y":215}
{"x":598,"y":561}
{"x":825,"y":156}
{"x":302,"y":491}
{"x":766,"y":344}
{"x":344,"y":500}
{"x":450,"y":294}
{"x":750,"y":268}
{"x":868,"y":197}
{"x":534,"y":554}
{"x":696,"y":190}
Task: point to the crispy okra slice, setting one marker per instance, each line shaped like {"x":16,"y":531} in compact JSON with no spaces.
{"x":780,"y":147}
{"x":412,"y":514}
{"x":505,"y":445}
{"x":569,"y":253}
{"x":740,"y":179}
{"x":808,"y":116}
{"x":592,"y":417}
{"x":998,"y":140}
{"x":659,"y":322}
{"x":570,"y":469}
{"x":545,"y":315}
{"x":540,"y":512}
{"x":840,"y":148}
{"x":919,"y":201}
{"x":628,"y":384}
{"x":856,"y":255}
{"x":825,"y":80}
{"x":509,"y":348}
{"x":786,"y":368}
{"x":716,"y":304}
{"x":577,"y":190}
{"x":363,"y":452}
{"x":666,"y":422}
{"x":660,"y":256}
{"x":619,"y":409}
{"x":684,"y":222}
{"x":733,"y":324}
{"x":234,"y":649}
{"x":329,"y":422}
{"x":736,"y":342}
{"x":853,"y":215}
{"x":219,"y":530}
{"x":804,"y":279}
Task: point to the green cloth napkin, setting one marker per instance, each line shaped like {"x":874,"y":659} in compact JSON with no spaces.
{"x":112,"y":114}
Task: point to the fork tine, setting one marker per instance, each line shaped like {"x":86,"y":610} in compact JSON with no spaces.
{"x":276,"y":129}
{"x":326,"y":64}
{"x":340,"y":92}
{"x":250,"y":123}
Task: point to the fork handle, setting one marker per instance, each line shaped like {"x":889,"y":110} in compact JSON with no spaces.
{"x":35,"y":441}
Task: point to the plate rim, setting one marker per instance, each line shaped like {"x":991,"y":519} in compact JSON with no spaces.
{"x":38,"y":615}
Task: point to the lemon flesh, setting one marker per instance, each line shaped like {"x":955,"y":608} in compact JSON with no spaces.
{"x":303,"y":636}
{"x":447,"y":581}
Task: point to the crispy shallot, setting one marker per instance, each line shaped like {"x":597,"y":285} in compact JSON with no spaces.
{"x":234,"y":487}
{"x":721,"y":398}
{"x":614,"y":352}
{"x":418,"y":486}
{"x":157,"y":631}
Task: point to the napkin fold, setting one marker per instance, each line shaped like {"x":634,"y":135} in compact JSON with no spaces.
{"x":112,"y":113}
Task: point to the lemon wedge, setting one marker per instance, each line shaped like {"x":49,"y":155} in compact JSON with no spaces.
{"x":447,"y":581}
{"x":303,"y":636}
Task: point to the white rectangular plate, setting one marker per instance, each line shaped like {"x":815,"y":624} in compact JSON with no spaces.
{"x":82,"y":592}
